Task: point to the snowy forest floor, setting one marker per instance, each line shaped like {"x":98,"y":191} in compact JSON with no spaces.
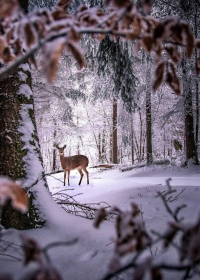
{"x":88,"y":259}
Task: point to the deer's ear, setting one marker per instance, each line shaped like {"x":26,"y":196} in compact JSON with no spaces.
{"x":64,"y":146}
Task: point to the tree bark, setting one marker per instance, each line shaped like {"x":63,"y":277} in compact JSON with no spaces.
{"x":132,"y":141}
{"x":114,"y":142}
{"x":148,"y":115}
{"x":16,"y":119}
{"x":188,"y":112}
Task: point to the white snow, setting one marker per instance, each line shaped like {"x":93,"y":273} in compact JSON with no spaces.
{"x":90,"y":256}
{"x":25,"y":90}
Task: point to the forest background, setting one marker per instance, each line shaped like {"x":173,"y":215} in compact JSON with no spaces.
{"x":107,"y":111}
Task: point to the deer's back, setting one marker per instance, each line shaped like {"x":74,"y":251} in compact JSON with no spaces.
{"x":76,"y":161}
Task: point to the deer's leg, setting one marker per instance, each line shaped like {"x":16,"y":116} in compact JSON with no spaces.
{"x":87,"y":173}
{"x":81,"y":173}
{"x":64,"y":176}
{"x":68,"y":177}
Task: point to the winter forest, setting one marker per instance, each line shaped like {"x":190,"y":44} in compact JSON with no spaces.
{"x":99,"y":139}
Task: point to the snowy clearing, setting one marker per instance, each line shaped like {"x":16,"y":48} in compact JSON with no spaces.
{"x":90,"y":256}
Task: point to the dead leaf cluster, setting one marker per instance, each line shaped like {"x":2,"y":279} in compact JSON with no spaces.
{"x":61,"y":31}
{"x":10,"y":190}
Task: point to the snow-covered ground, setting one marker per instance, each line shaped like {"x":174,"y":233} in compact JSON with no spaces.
{"x":90,"y":256}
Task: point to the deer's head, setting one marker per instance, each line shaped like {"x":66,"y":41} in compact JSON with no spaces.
{"x":61,"y":150}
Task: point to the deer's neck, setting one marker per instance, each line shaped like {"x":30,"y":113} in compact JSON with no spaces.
{"x":63,"y":161}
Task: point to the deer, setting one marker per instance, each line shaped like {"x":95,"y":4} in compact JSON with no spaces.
{"x":79,"y":162}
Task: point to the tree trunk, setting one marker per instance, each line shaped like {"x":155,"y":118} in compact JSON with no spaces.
{"x":188,"y":111}
{"x":132,"y":141}
{"x":148,"y":115}
{"x":114,"y":142}
{"x":99,"y":148}
{"x":19,"y":145}
{"x":197,"y":90}
{"x":54,"y":150}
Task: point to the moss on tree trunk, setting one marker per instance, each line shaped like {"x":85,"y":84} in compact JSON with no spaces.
{"x":12,"y":148}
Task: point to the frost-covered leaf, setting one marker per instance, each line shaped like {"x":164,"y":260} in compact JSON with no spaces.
{"x":7,"y":8}
{"x":13,"y":191}
{"x":64,"y":4}
{"x":52,"y":53}
{"x":29,"y":33}
{"x":75,"y":50}
{"x":146,"y":6}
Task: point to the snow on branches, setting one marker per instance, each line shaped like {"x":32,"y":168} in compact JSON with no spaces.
{"x":23,"y":35}
{"x":133,"y":240}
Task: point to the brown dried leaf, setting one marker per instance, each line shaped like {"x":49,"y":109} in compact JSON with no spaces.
{"x":7,"y":8}
{"x":29,"y":34}
{"x":40,"y":28}
{"x":132,"y":36}
{"x":119,"y":3}
{"x":156,"y":274}
{"x":146,"y":6}
{"x":32,"y":250}
{"x":147,"y":43}
{"x":159,"y":31}
{"x":75,"y":50}
{"x":64,"y":4}
{"x":7,"y":55}
{"x":17,"y":45}
{"x":189,"y":40}
{"x":32,"y":61}
{"x":9,"y":35}
{"x":159,"y":75}
{"x":172,"y":80}
{"x":134,"y":209}
{"x":197,"y":43}
{"x":73,"y":35}
{"x":173,"y":53}
{"x":52,"y":53}
{"x":177,"y":34}
{"x":59,"y":14}
{"x":101,"y":216}
{"x":11,"y":190}
{"x":2,"y":46}
{"x":45,"y":272}
{"x":170,"y":234}
{"x":197,"y":66}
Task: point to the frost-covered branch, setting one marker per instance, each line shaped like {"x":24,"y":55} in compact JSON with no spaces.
{"x":133,"y":240}
{"x":52,"y":32}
